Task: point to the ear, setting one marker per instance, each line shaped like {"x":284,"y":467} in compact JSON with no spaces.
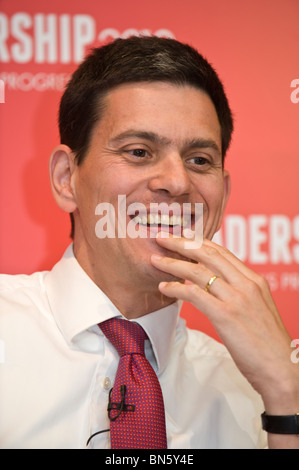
{"x":226,"y":194}
{"x":61,"y":167}
{"x":226,"y":188}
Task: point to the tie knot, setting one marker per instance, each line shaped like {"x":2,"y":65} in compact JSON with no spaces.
{"x":126,"y":336}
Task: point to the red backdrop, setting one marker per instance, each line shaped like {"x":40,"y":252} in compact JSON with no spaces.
{"x":253,"y":46}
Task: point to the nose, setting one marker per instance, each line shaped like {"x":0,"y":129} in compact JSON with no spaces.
{"x":170,"y":177}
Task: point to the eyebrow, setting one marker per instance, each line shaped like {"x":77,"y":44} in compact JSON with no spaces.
{"x":158,"y":139}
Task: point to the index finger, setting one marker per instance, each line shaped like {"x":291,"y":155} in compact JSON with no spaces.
{"x":185,"y":247}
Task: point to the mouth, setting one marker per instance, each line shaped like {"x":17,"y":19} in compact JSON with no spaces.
{"x":161,"y":220}
{"x":148,"y":224}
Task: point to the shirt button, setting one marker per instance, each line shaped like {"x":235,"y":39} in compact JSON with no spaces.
{"x":107,"y":383}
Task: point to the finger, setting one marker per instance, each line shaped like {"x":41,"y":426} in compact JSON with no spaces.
{"x":211,"y":253}
{"x":227,"y":266}
{"x":221,"y":262}
{"x":195,"y":273}
{"x":181,"y":245}
{"x":229,"y":256}
{"x":203,"y":301}
{"x":209,"y":256}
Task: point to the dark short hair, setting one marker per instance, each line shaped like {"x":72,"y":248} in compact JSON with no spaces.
{"x":135,"y":59}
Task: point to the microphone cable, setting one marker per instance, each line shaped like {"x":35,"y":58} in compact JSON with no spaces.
{"x":93,"y":435}
{"x":112,"y":406}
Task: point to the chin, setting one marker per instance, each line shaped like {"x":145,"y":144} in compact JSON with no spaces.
{"x":157,"y":276}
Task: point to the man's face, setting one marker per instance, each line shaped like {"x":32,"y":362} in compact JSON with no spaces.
{"x":155,"y":143}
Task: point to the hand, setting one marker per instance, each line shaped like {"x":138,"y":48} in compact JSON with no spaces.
{"x":242,"y":310}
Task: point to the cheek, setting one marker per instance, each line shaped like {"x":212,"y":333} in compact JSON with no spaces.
{"x":212,"y":196}
{"x":106,"y":187}
{"x":112,"y":180}
{"x":91,"y":187}
{"x":211,"y":192}
{"x":215,"y":199}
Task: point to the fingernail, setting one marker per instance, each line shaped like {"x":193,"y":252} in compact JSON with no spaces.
{"x":163,"y":234}
{"x":188,"y":233}
{"x":162,"y":284}
{"x":156,"y":257}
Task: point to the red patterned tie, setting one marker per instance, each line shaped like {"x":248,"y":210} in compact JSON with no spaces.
{"x":136,"y":408}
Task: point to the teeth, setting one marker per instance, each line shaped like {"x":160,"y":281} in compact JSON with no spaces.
{"x":151,"y":219}
{"x":164,"y":219}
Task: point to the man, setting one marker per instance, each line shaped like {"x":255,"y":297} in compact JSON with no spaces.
{"x":144,"y":121}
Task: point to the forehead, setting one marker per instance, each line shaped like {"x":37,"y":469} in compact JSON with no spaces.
{"x":172,"y":111}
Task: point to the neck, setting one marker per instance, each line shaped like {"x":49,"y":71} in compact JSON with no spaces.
{"x":132,"y":297}
{"x":138,"y":304}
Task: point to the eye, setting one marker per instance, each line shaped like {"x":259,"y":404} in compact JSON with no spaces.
{"x":140,"y":153}
{"x":200,"y":161}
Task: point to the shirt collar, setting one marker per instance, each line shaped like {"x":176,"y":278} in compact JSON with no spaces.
{"x":160,"y":327}
{"x":77,"y":304}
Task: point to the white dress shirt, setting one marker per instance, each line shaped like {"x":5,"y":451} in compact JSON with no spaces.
{"x":57,"y":367}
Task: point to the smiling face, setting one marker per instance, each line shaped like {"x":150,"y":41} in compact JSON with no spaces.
{"x":155,"y":143}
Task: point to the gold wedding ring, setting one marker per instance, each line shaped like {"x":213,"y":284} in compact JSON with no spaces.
{"x":208,"y":286}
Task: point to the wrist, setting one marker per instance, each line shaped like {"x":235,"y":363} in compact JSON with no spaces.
{"x":282,"y":396}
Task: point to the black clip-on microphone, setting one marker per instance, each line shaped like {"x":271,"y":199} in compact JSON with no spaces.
{"x":119,"y":406}
{"x":115,"y":406}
